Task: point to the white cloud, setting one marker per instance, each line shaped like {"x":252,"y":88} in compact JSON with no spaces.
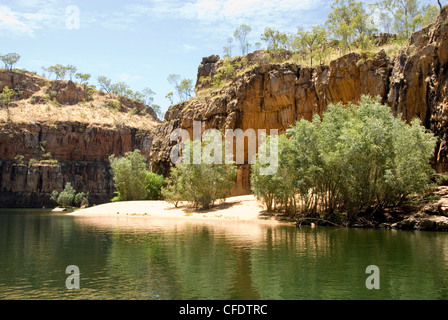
{"x":220,"y":17}
{"x":267,"y":10}
{"x":188,"y":48}
{"x":126,"y":77}
{"x":10,"y":21}
{"x":24,"y":22}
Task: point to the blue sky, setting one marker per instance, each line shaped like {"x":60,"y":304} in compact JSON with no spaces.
{"x":142,"y":42}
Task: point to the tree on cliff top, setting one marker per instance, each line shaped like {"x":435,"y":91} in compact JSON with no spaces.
{"x":314,"y":42}
{"x":183,"y":87}
{"x":10,"y":60}
{"x":406,"y":15}
{"x":349,"y":21}
{"x":240,"y":35}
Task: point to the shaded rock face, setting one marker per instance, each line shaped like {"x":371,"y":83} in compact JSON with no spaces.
{"x":67,"y":92}
{"x":81,"y":152}
{"x":419,"y":83}
{"x":25,"y":84}
{"x":275,"y":96}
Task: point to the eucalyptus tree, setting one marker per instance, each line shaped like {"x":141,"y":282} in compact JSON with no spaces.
{"x":240,"y":35}
{"x":10,"y":60}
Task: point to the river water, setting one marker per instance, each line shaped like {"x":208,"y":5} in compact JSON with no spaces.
{"x":144,"y":258}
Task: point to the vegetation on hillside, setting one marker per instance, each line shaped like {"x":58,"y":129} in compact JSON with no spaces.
{"x":351,"y":25}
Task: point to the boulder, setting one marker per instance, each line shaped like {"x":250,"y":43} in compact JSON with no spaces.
{"x":442,"y":206}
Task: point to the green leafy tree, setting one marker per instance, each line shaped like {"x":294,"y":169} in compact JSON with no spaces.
{"x":265,"y":187}
{"x":169,"y":96}
{"x":104,"y":83}
{"x":354,"y":159}
{"x":120,"y":89}
{"x":184,"y":87}
{"x":5,"y":99}
{"x":153,"y":185}
{"x":158,"y":110}
{"x":348,"y":21}
{"x":5,"y":96}
{"x":148,"y":96}
{"x":405,"y":14}
{"x":10,"y":60}
{"x":83,"y":77}
{"x":275,"y":39}
{"x":228,"y":49}
{"x":68,"y":197}
{"x":200,"y":184}
{"x":240,"y":36}
{"x":428,"y":14}
{"x":314,"y":42}
{"x":129,"y":174}
{"x":71,"y":71}
{"x":59,"y":70}
{"x":174,"y":189}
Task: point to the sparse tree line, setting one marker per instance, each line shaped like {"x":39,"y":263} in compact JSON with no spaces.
{"x":184,"y":88}
{"x":351,"y":24}
{"x":199,"y":184}
{"x":60,"y":72}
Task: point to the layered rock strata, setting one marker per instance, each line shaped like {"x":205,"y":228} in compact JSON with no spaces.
{"x":266,"y":95}
{"x":39,"y":158}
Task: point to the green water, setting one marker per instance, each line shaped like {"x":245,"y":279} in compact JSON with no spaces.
{"x":136,"y":258}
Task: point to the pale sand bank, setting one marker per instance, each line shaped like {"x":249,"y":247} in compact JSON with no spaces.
{"x":243,"y":208}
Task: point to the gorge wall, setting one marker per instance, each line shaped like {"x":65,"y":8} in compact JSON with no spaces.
{"x":266,"y":95}
{"x":37,"y":158}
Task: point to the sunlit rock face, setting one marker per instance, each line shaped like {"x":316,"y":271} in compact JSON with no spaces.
{"x":261,"y":94}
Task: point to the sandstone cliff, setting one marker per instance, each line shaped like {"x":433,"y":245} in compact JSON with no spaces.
{"x":265,"y":95}
{"x":59,"y":131}
{"x":47,"y":143}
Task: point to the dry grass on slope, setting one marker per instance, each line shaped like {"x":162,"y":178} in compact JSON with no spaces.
{"x":101,"y":110}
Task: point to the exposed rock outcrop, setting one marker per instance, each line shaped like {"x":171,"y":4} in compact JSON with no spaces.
{"x":251,"y":92}
{"x":40,"y":158}
{"x":419,"y":83}
{"x":266,"y":95}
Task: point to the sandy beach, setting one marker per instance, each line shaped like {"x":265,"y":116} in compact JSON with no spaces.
{"x":242,"y":208}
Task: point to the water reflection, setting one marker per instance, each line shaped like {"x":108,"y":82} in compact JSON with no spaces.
{"x":143,"y":258}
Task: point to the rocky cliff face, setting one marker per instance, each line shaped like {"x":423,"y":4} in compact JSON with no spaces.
{"x":419,"y":83}
{"x":274,"y":96}
{"x":251,"y":92}
{"x":40,"y":158}
{"x":266,"y":95}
